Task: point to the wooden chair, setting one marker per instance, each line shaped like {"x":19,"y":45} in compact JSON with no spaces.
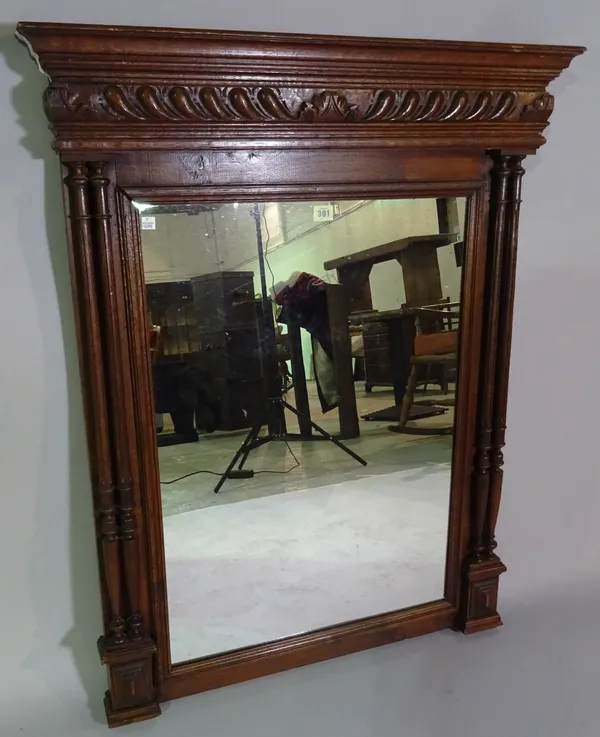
{"x":430,"y":349}
{"x":435,"y":318}
{"x":284,"y":354}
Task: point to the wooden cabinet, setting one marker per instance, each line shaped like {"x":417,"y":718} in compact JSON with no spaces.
{"x":208,"y":324}
{"x":171,"y":307}
{"x":378,"y":366}
{"x":226,"y":317}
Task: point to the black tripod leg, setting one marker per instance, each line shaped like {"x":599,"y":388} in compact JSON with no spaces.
{"x":245,"y":455}
{"x":243,"y":449}
{"x":247,"y":445}
{"x":325,"y":434}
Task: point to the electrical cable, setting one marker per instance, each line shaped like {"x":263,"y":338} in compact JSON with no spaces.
{"x":215,"y":473}
{"x":296,"y":462}
{"x":187,"y":475}
{"x":266,"y":248}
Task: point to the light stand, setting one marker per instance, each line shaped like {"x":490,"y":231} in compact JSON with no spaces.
{"x":273,"y":416}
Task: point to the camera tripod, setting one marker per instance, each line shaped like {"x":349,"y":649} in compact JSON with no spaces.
{"x":273,"y":416}
{"x":253,"y":440}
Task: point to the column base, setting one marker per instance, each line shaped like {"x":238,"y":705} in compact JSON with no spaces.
{"x":480,"y":596}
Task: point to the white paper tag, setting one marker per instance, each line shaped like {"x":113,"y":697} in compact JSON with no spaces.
{"x":322,"y":213}
{"x":148,"y":222}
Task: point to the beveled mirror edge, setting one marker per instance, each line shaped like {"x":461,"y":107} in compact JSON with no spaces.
{"x":428,"y":98}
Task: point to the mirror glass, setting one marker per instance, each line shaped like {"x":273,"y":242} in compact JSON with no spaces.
{"x":304,"y":361}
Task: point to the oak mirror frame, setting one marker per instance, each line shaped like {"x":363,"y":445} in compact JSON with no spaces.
{"x":178,"y":117}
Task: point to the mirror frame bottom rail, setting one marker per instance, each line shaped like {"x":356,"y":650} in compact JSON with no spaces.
{"x":182,"y":115}
{"x":312,"y":647}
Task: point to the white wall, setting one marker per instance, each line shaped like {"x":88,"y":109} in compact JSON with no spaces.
{"x":182,"y":246}
{"x":537,"y":677}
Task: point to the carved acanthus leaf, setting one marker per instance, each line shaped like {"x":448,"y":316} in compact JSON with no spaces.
{"x":327,"y":107}
{"x":539,"y":109}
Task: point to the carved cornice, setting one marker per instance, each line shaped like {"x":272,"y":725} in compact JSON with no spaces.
{"x":130,"y":88}
{"x":131,"y":103}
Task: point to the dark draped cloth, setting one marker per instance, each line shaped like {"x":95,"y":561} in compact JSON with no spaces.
{"x":304,"y":304}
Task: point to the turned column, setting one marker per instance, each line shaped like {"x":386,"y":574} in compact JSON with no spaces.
{"x":482,"y":567}
{"x":126,"y":647}
{"x":507,"y":292}
{"x":499,"y":175}
{"x":92,"y":359}
{"x":119,"y":389}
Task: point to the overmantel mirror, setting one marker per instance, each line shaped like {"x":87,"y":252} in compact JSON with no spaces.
{"x":294,"y":260}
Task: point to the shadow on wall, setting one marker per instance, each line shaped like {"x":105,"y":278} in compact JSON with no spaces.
{"x":43,"y":575}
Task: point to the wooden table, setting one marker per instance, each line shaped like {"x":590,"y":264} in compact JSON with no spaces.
{"x":401,"y":326}
{"x":417,"y":256}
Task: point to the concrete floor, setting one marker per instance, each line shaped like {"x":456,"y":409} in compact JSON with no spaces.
{"x":321,"y":462}
{"x":284,"y":553}
{"x":272,"y":567}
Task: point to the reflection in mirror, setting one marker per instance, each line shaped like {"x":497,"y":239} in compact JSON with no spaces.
{"x":304,"y":359}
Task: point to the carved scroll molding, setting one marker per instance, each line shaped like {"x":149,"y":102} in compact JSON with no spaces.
{"x":72,"y":103}
{"x":114,"y":89}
